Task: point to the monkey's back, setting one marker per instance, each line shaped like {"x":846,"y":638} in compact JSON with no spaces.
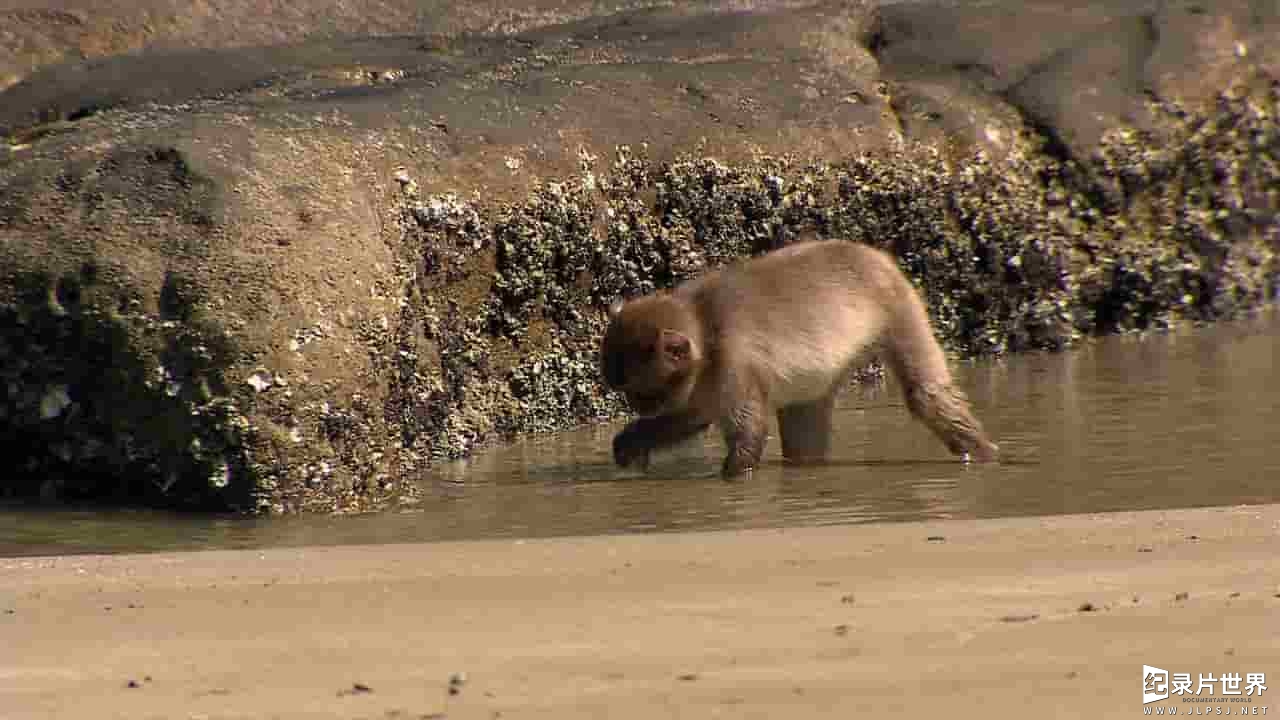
{"x":802,"y":315}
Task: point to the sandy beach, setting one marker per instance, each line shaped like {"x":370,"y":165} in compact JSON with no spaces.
{"x":1031,"y":617}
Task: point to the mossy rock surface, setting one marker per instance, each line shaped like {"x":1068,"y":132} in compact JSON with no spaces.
{"x":290,"y":277}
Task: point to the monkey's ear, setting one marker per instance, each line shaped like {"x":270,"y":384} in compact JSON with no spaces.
{"x":675,"y":346}
{"x":615,"y":307}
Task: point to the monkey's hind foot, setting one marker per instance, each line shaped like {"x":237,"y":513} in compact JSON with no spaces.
{"x":945,"y":410}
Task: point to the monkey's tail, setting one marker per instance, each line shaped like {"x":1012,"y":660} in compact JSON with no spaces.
{"x":920,"y":365}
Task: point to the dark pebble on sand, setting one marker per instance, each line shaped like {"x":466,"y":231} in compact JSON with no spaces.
{"x":1181,"y":596}
{"x":1014,"y":618}
{"x":1144,"y":548}
{"x":936,"y":538}
{"x":1087,"y":607}
{"x":842,"y":630}
{"x":687,"y":677}
{"x":132,"y":684}
{"x":847,"y":599}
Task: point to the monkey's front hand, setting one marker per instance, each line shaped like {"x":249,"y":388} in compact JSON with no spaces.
{"x":633,"y":445}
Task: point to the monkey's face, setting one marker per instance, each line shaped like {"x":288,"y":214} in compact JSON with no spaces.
{"x":653,"y":366}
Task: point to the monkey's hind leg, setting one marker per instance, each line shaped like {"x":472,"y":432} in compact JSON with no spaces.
{"x":945,"y":410}
{"x":806,"y":430}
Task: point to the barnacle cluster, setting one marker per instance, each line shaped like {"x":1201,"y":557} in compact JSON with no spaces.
{"x":110,"y":401}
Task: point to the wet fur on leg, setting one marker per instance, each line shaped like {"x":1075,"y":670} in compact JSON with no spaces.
{"x":945,"y":410}
{"x":746,"y":432}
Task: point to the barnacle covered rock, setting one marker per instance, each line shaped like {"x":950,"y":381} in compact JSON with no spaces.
{"x":296,"y":277}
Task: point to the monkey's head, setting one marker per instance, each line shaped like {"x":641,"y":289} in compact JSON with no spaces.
{"x":651,"y":353}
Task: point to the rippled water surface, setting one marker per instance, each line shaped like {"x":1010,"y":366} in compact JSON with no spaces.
{"x":1180,"y":420}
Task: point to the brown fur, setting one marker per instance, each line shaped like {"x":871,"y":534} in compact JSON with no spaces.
{"x":777,"y":334}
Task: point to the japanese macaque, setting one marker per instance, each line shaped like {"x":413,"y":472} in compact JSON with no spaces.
{"x":779,"y":333}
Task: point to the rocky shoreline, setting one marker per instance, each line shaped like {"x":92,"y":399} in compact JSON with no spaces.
{"x":295,"y":294}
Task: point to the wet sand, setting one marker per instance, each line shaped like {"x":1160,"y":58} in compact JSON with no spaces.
{"x":1027,"y":617}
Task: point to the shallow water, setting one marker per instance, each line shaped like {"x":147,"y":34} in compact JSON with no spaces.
{"x":1180,"y":420}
